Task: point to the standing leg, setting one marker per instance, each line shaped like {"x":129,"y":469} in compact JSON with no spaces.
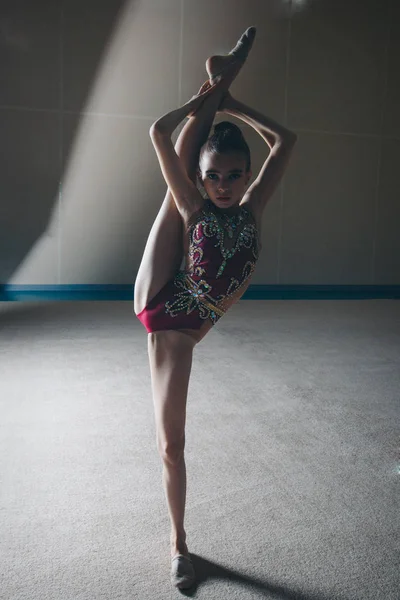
{"x":170,"y":357}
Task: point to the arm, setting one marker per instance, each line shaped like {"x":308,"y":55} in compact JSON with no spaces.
{"x":270,"y":130}
{"x":184,"y":191}
{"x":281,"y":142}
{"x":167,"y":124}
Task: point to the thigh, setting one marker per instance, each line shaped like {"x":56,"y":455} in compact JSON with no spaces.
{"x":162,"y":255}
{"x":170,"y":356}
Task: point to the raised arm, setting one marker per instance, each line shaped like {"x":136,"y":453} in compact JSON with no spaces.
{"x":270,"y":130}
{"x":183,"y":189}
{"x":280,"y":140}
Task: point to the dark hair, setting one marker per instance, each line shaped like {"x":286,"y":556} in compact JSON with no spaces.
{"x":227,"y":137}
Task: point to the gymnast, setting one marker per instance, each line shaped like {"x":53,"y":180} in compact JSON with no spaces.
{"x":218,"y":232}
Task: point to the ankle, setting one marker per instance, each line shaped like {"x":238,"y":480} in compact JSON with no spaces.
{"x":177,"y":537}
{"x":222,"y":85}
{"x":179,"y":548}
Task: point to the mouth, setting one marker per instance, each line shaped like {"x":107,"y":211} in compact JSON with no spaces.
{"x":223,"y":198}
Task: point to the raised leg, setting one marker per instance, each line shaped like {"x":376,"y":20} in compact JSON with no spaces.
{"x":163,"y":253}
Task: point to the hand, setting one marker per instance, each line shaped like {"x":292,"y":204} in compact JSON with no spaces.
{"x":166,"y":124}
{"x":196,"y":101}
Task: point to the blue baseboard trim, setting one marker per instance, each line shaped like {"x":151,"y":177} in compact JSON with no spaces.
{"x":21,"y":293}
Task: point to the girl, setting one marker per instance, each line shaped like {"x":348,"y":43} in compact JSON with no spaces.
{"x":220,"y":238}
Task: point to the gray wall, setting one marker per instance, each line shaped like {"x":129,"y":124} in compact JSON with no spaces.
{"x":82,"y":81}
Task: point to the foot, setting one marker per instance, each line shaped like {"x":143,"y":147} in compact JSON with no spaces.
{"x":183,"y":575}
{"x":227,"y":67}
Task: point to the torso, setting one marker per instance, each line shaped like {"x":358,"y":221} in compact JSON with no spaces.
{"x":187,"y":220}
{"x":198,"y":334}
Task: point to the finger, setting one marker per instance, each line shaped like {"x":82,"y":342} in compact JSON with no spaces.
{"x":204,"y":87}
{"x":200,"y":97}
{"x":206,"y":92}
{"x":208,"y":87}
{"x":195,"y":103}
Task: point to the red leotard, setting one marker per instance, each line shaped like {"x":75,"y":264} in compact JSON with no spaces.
{"x":220,"y":264}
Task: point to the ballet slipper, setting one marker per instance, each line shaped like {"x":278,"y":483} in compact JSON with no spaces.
{"x":218,"y":67}
{"x":182,"y":572}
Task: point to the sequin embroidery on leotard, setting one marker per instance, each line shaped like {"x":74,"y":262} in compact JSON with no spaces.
{"x":223,"y":252}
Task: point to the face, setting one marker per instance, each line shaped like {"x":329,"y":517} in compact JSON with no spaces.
{"x":224,"y":175}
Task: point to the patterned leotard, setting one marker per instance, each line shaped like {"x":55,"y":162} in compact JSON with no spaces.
{"x":222,"y":257}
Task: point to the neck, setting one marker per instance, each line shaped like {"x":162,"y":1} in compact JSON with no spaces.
{"x":230,"y":211}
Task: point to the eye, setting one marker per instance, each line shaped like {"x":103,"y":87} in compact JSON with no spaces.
{"x":233,"y":176}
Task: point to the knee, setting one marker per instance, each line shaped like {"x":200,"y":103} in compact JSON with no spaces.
{"x":171,"y":453}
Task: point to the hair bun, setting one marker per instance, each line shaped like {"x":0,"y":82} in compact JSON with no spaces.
{"x":227,"y":128}
{"x":226,"y":139}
